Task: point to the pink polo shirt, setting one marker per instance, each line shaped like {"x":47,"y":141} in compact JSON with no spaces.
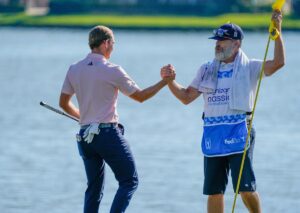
{"x":96,"y":83}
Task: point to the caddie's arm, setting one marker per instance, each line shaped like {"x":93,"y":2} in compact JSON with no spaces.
{"x":278,"y":61}
{"x":185,"y":95}
{"x":66,"y":104}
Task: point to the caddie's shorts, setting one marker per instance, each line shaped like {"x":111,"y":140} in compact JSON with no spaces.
{"x":216,"y":171}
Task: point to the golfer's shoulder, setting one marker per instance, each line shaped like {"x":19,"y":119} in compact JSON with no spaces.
{"x":74,"y":67}
{"x":78,"y":64}
{"x":113,"y":69}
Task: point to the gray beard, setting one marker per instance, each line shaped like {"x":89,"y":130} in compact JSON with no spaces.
{"x":227,"y":53}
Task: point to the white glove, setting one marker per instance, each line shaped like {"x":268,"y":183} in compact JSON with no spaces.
{"x":93,"y":129}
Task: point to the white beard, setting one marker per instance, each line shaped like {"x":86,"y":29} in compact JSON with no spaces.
{"x":225,"y":54}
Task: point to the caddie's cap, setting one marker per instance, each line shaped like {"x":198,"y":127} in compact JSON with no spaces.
{"x":228,"y":31}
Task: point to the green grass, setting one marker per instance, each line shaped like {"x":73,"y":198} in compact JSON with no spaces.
{"x":247,"y":21}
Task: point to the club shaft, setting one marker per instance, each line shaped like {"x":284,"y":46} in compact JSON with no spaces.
{"x":57,"y":111}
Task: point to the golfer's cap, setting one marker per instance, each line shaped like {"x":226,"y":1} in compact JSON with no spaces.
{"x":228,"y":31}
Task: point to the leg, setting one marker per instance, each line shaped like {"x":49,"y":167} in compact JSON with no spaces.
{"x":251,"y":201}
{"x":94,"y":167}
{"x":248,"y":184}
{"x":215,"y":203}
{"x":94,"y":192}
{"x":215,"y":180}
{"x":121,"y":161}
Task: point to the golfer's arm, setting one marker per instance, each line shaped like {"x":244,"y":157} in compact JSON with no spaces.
{"x":66,"y":104}
{"x":145,"y":94}
{"x":186,"y":96}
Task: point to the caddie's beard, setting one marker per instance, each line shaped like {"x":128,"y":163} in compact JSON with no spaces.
{"x":224,"y":53}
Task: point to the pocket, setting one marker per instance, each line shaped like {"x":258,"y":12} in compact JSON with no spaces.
{"x":121,"y":128}
{"x":81,"y":144}
{"x":81,"y":149}
{"x":252,"y":136}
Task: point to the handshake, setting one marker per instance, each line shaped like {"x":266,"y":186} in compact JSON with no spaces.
{"x":168,"y":73}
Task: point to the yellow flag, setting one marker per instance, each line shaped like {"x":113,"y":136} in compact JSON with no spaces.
{"x":278,"y":4}
{"x":272,"y":29}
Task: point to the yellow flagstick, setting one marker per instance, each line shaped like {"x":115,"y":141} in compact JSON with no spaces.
{"x":273,"y":34}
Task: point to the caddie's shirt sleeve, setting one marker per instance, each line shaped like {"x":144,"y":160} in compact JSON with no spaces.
{"x":255,"y":68}
{"x":67,"y":87}
{"x":196,"y":81}
{"x":124,"y":83}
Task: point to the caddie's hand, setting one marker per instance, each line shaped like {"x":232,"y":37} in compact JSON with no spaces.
{"x":169,"y":79}
{"x":277,"y":19}
{"x":168,"y":71}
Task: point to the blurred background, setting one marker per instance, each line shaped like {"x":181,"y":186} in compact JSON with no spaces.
{"x":195,"y":7}
{"x":40,"y":168}
{"x":145,"y":14}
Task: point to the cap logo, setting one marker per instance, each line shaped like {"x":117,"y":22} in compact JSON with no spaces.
{"x":220,"y":32}
{"x":228,"y":31}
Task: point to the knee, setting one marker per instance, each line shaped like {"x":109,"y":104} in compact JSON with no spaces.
{"x":251,"y":201}
{"x":248,"y":195}
{"x":130,"y":184}
{"x":215,"y":203}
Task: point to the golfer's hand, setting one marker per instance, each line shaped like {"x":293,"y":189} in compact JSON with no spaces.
{"x":168,"y":73}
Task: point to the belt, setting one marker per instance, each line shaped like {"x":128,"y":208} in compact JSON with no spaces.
{"x":108,"y":125}
{"x":102,"y":125}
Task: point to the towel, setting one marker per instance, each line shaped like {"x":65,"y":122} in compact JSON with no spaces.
{"x":242,"y":90}
{"x":209,"y":78}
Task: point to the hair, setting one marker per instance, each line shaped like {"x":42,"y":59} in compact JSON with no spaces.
{"x":99,"y":34}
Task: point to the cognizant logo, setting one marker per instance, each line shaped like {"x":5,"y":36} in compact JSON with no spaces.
{"x":220,"y":95}
{"x":218,"y":98}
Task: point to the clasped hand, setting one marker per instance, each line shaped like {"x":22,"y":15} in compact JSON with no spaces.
{"x":168,"y":73}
